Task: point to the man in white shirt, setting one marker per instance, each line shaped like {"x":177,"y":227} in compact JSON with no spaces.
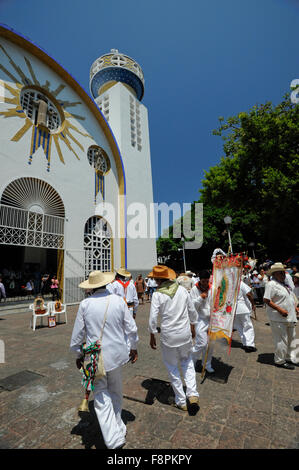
{"x":242,"y":320}
{"x":185,"y":280}
{"x":124,"y":287}
{"x":89,"y":324}
{"x":119,"y":283}
{"x":132,"y":297}
{"x":177,"y":319}
{"x":201,"y":297}
{"x":152,"y":286}
{"x":281,"y":309}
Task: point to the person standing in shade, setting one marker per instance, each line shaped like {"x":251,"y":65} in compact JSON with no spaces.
{"x":44,"y":283}
{"x":178,"y":318}
{"x":119,"y":325}
{"x":281,"y":309}
{"x":2,"y":290}
{"x":55,"y":288}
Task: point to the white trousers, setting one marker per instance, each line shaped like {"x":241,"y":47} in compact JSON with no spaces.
{"x":108,"y":406}
{"x":244,"y":326}
{"x":201,"y":343}
{"x":180,"y":355}
{"x":284,"y":336}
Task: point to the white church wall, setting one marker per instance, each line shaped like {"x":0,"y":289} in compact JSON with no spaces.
{"x":73,"y":179}
{"x":141,"y":251}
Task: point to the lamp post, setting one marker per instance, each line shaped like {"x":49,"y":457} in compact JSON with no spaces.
{"x":251,"y":244}
{"x":228,"y":221}
{"x":183,"y":240}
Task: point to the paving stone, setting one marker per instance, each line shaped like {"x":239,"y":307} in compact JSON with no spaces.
{"x":250,"y":421}
{"x":205,"y":428}
{"x":231,"y":439}
{"x":287,"y":444}
{"x":183,"y":439}
{"x":261,"y":404}
{"x":218,"y":412}
{"x":18,"y":380}
{"x":249,"y":403}
{"x":256,"y":443}
{"x":9,"y":439}
{"x":163,"y":423}
{"x":23,"y":425}
{"x":144,"y":389}
{"x":284,"y":429}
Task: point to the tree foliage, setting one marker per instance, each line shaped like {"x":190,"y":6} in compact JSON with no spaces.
{"x":256,"y":182}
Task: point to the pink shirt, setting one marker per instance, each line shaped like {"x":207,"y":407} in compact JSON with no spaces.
{"x":54,"y":284}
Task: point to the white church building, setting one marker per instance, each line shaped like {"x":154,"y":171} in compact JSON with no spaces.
{"x":72,"y":166}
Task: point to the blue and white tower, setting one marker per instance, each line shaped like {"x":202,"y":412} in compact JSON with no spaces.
{"x":117,"y":86}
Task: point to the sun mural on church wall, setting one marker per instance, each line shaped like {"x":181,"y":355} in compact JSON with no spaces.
{"x":43,"y":112}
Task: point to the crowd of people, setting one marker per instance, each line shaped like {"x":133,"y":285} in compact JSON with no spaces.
{"x":28,"y":283}
{"x":181,"y":303}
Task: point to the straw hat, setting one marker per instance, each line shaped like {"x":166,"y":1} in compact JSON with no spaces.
{"x":123,"y":272}
{"x":276,"y":267}
{"x":97,"y":279}
{"x":162,"y":272}
{"x":296,"y":275}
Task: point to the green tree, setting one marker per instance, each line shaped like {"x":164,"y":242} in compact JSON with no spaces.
{"x":256,"y":183}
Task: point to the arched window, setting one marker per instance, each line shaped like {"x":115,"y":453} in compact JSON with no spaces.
{"x":98,"y":159}
{"x":30,"y":99}
{"x":97,"y":245}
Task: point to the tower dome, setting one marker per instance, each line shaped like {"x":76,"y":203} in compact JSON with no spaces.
{"x":116,"y":67}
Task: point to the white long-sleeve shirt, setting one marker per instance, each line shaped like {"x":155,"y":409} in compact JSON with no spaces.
{"x":119,"y":322}
{"x":117,"y":288}
{"x":176,"y":315}
{"x":202,"y":306}
{"x":129,"y":293}
{"x":243,"y":303}
{"x":131,"y":296}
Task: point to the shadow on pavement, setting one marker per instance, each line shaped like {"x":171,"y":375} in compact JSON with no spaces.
{"x":88,"y":427}
{"x":158,"y":389}
{"x":236,"y":344}
{"x":267,"y":358}
{"x":221,"y":374}
{"x":163,"y":392}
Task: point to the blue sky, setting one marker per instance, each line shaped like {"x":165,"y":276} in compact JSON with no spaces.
{"x":201,"y":60}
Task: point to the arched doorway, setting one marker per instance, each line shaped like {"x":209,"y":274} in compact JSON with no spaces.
{"x":98,"y":245}
{"x":32,"y":219}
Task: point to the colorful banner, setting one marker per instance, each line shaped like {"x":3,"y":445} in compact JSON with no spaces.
{"x":227,"y":272}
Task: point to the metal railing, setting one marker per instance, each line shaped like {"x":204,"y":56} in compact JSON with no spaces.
{"x":21,"y":227}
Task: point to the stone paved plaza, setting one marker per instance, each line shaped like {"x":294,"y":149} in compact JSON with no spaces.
{"x":247,"y":404}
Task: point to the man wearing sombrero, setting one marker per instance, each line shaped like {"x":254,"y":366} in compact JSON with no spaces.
{"x":106,"y":315}
{"x":281,"y":310}
{"x":123,"y":286}
{"x":177,"y":316}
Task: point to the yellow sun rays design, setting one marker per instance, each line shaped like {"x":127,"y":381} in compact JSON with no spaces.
{"x":41,"y":136}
